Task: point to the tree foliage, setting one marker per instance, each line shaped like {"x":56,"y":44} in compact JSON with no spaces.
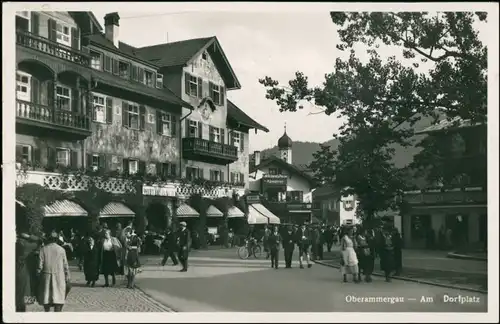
{"x":381,"y":100}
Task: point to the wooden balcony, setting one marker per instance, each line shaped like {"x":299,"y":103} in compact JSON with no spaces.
{"x":36,"y":115}
{"x":52,"y":48}
{"x":207,"y":151}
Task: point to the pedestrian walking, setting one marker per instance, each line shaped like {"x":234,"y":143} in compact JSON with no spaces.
{"x":133,"y":264}
{"x":54,"y":275}
{"x":349,"y":261}
{"x":265,"y":241}
{"x":288,"y":246}
{"x":91,"y":262}
{"x":304,"y":243}
{"x":386,"y":251}
{"x":397,"y":242}
{"x":183,"y":239}
{"x":169,"y":247}
{"x":329,"y":238}
{"x":27,"y":249}
{"x":110,"y":257}
{"x":274,"y":241}
{"x":364,"y":252}
{"x":321,"y":243}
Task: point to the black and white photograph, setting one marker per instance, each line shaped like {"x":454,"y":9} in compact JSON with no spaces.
{"x":256,"y":162}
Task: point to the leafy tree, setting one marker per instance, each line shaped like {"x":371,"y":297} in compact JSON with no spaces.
{"x":381,"y":100}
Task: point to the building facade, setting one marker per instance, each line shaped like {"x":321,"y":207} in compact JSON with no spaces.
{"x":286,"y":190}
{"x":87,"y":101}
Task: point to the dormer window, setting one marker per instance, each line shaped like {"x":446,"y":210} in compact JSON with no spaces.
{"x":159,"y":81}
{"x":148,"y":78}
{"x":124,"y":70}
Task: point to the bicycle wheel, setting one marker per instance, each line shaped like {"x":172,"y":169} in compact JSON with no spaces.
{"x":257,"y":251}
{"x":243,"y":252}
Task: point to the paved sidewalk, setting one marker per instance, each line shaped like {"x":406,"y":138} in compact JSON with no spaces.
{"x":99,"y":299}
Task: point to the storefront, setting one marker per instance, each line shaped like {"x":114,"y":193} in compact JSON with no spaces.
{"x":65,"y":215}
{"x":273,"y":187}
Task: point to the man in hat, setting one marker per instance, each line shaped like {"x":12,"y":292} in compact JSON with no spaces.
{"x":168,"y":246}
{"x":303,"y":237}
{"x":274,"y":241}
{"x":289,"y":246}
{"x":183,"y":239}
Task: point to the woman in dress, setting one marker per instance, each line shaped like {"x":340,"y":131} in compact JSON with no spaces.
{"x":349,"y":258}
{"x":364,"y":251}
{"x":132,"y":264}
{"x":110,"y":257}
{"x":91,"y":262}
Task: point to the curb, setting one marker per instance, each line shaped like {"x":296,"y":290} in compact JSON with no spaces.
{"x":453,"y":255}
{"x":414,"y":280}
{"x":167,"y":308}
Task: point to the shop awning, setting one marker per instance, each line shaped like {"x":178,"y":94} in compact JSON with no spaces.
{"x":20,"y":203}
{"x":184,"y":210}
{"x":256,"y":218}
{"x":214,"y":212}
{"x":273,"y":219}
{"x":64,"y":208}
{"x":116,"y":209}
{"x":234,"y":212}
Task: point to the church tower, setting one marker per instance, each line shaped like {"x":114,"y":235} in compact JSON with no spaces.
{"x":285,"y":147}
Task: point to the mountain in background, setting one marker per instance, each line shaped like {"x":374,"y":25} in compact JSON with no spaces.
{"x":302,"y":152}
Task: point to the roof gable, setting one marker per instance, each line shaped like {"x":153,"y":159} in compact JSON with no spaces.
{"x":238,"y":116}
{"x":181,"y":53}
{"x":86,"y":21}
{"x":273,"y":160}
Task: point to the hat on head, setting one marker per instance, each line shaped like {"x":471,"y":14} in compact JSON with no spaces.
{"x":183,"y":224}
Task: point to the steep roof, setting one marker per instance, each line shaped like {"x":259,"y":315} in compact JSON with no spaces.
{"x":124,"y":49}
{"x":180,"y":53}
{"x":239,"y":116}
{"x":448,"y":124}
{"x":290,"y":167}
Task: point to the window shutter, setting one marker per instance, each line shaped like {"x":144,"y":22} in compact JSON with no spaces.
{"x":154,"y":79}
{"x":187,"y":128}
{"x":35,"y":23}
{"x":142,"y":117}
{"x":173,"y":169}
{"x":126,"y":169}
{"x":133,"y":72}
{"x":159,"y":169}
{"x":116,"y":69}
{"x":159,"y":81}
{"x":107,"y":63}
{"x":159,"y":123}
{"x":211,"y":90}
{"x":242,"y":177}
{"x":94,"y":111}
{"x":200,"y":173}
{"x":52,"y":25}
{"x":212,"y":178}
{"x":233,"y":177}
{"x":88,"y":161}
{"x":231,"y":137}
{"x":125,"y":114}
{"x":222,"y":178}
{"x":200,"y":130}
{"x":19,"y":153}
{"x":200,"y":88}
{"x":222,"y":96}
{"x":109,"y":110}
{"x":140,"y":74}
{"x":222,"y":136}
{"x":35,"y":90}
{"x":36,"y":156}
{"x":51,"y":157}
{"x":173,"y":123}
{"x":75,"y":38}
{"x":142,"y":167}
{"x":73,"y":159}
{"x":242,"y":141}
{"x":186,"y":83}
{"x":211,"y":136}
{"x":74,"y":100}
{"x":102,"y":162}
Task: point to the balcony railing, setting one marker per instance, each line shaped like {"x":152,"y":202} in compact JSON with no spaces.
{"x":45,"y":114}
{"x":52,"y":48}
{"x":201,"y":149}
{"x":57,"y":181}
{"x":452,"y":197}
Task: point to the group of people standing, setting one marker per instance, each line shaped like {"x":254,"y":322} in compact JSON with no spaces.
{"x":360,"y":246}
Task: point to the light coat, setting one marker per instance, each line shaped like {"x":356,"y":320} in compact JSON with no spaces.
{"x":54,"y":274}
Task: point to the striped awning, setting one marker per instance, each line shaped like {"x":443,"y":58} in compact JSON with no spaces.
{"x":116,"y":209}
{"x":20,"y":203}
{"x":212,"y":211}
{"x":256,"y":218}
{"x":273,"y":219}
{"x":184,"y":210}
{"x":234,"y":212}
{"x":64,"y":208}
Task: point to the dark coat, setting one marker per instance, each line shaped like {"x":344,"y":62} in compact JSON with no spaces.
{"x":289,"y":240}
{"x":274,"y":241}
{"x":183,"y":238}
{"x":303,"y":242}
{"x":169,"y":242}
{"x":91,"y":259}
{"x":26,"y":266}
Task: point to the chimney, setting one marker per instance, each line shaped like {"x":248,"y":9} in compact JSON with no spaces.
{"x":256,"y":155}
{"x":112,"y":27}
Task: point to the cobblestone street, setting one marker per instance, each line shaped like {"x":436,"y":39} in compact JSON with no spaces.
{"x":99,"y":299}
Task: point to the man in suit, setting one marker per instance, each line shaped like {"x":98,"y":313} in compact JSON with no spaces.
{"x":274,"y":241}
{"x":169,"y":246}
{"x":183,"y":239}
{"x":304,"y":242}
{"x":289,"y":246}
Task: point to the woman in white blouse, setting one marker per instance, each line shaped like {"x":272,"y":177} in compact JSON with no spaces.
{"x":110,"y":257}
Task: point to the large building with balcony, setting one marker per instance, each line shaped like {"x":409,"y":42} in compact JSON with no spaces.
{"x":286,"y":190}
{"x":86,"y":100}
{"x":453,"y":211}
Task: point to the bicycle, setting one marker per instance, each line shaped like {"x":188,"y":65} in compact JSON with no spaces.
{"x":244,"y":252}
